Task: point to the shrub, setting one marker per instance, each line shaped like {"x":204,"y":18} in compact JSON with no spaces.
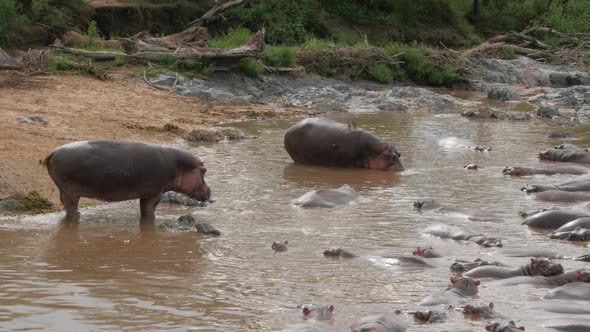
{"x":57,"y":64}
{"x":508,"y":53}
{"x":380,"y":73}
{"x":119,"y":61}
{"x":235,"y":37}
{"x":10,"y":20}
{"x":575,"y":18}
{"x":280,"y":56}
{"x":250,"y":67}
{"x":58,"y":15}
{"x":168,"y":59}
{"x":316,"y":44}
{"x":194,"y":68}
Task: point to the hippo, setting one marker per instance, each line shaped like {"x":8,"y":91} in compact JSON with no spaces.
{"x":583,"y":222}
{"x":378,"y":323}
{"x":566,"y":155}
{"x":545,"y":170}
{"x":279,"y":247}
{"x":478,"y":148}
{"x":457,"y":235}
{"x":507,"y":327}
{"x":537,"y":267}
{"x":576,"y":185}
{"x":427,"y":205}
{"x":529,"y":213}
{"x":172,"y":197}
{"x":188,"y":223}
{"x":118,"y":171}
{"x":461,"y":266}
{"x":578,"y":234}
{"x":531,"y":253}
{"x":430,"y":316}
{"x":553,"y":218}
{"x":571,"y":291}
{"x":569,"y":324}
{"x":578,"y":275}
{"x":426,"y":252}
{"x":339,"y":253}
{"x":479,"y":311}
{"x":327,"y":198}
{"x":456,"y":293}
{"x":582,"y":258}
{"x":562,"y":196}
{"x":319,"y":313}
{"x":320,"y":141}
{"x":472,"y":167}
{"x":569,"y":146}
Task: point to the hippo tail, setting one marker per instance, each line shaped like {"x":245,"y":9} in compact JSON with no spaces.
{"x":45,"y":162}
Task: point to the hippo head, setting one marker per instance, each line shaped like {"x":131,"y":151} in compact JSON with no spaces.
{"x":383,"y":157}
{"x":425,"y":252}
{"x":465,"y":285}
{"x":471,"y":166}
{"x":429,"y":316}
{"x":278,"y":247}
{"x":190,"y":180}
{"x":544,"y":267}
{"x":497,"y":327}
{"x":482,"y":310}
{"x":513,"y":171}
{"x":548,"y":154}
{"x":583,"y":275}
{"x":318,"y":312}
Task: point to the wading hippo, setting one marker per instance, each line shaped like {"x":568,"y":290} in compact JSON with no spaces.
{"x":504,"y":327}
{"x":537,"y":267}
{"x":571,"y":291}
{"x":279,"y":247}
{"x":461,"y":266}
{"x":320,"y":141}
{"x":456,"y":293}
{"x":327,"y":198}
{"x":578,"y":234}
{"x":577,"y":185}
{"x":545,"y":170}
{"x":583,"y":222}
{"x":566,"y":155}
{"x":118,"y":171}
{"x":578,"y":275}
{"x":378,"y":323}
{"x":562,"y":196}
{"x":339,"y":253}
{"x":430,"y":316}
{"x":457,"y":235}
{"x":312,"y":312}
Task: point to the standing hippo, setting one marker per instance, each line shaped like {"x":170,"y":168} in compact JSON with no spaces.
{"x":545,"y":170}
{"x":537,"y":267}
{"x":456,"y":293}
{"x":118,"y":171}
{"x":324,"y":142}
{"x":566,"y":155}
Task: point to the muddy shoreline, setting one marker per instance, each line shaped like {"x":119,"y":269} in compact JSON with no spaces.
{"x":43,"y":112}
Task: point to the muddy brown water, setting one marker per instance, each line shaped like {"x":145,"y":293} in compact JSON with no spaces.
{"x":107,"y":274}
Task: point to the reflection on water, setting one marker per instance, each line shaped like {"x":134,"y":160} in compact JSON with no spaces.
{"x":107,"y":274}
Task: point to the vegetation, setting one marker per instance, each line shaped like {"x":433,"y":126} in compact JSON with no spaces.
{"x":235,"y":37}
{"x":10,"y":20}
{"x":250,"y":67}
{"x":280,"y":56}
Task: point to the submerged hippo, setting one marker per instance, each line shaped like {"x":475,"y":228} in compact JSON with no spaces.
{"x":569,"y":146}
{"x":461,"y":266}
{"x":545,"y":170}
{"x":426,"y":252}
{"x":571,"y":291}
{"x":553,"y":218}
{"x":430,"y":316}
{"x":327,"y":198}
{"x":378,"y":323}
{"x":537,"y":267}
{"x":577,"y":185}
{"x":118,"y":171}
{"x":480,"y":311}
{"x":562,"y":196}
{"x":578,"y":234}
{"x":279,"y":247}
{"x":566,"y":155}
{"x":339,"y":253}
{"x":312,"y":312}
{"x":456,"y":293}
{"x":504,"y":327}
{"x":447,"y":233}
{"x":320,"y":141}
{"x":578,"y":275}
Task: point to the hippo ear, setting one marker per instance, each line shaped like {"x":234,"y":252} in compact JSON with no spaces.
{"x":286,"y":242}
{"x":491,"y":305}
{"x":331,"y":308}
{"x":306,"y":311}
{"x":476,"y":282}
{"x":453,"y":280}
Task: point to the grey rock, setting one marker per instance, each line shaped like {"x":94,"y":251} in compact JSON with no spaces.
{"x":503,"y":94}
{"x":35,"y":120}
{"x":548,"y":112}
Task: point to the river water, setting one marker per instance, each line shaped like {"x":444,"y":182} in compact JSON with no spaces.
{"x":107,"y":274}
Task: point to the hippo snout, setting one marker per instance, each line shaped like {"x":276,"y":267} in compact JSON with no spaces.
{"x":397,"y":166}
{"x":202,"y":193}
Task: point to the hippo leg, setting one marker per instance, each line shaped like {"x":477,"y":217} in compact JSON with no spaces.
{"x":147,"y":206}
{"x":70,"y":203}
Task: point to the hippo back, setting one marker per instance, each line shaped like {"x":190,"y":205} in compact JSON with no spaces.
{"x":324,"y":142}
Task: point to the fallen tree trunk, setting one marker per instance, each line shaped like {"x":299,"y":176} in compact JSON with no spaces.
{"x":562,"y":36}
{"x":487,"y":46}
{"x":515,"y":37}
{"x":215,"y":12}
{"x":195,"y":37}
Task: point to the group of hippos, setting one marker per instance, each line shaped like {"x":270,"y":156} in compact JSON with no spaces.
{"x":119,"y":170}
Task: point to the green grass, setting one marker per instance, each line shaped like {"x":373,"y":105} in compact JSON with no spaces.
{"x":381,"y":73}
{"x":250,"y":67}
{"x":317,"y":44}
{"x":235,"y":37}
{"x":508,"y":53}
{"x":10,"y":20}
{"x":280,"y":56}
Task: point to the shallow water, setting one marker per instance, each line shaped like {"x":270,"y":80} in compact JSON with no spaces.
{"x":107,"y":274}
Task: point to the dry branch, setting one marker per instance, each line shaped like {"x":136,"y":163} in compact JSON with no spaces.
{"x":215,"y":12}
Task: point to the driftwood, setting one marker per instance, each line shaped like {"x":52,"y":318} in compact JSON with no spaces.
{"x":196,"y":37}
{"x":487,"y":46}
{"x":215,"y":12}
{"x":254,"y":48}
{"x":562,"y":36}
{"x":515,"y":37}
